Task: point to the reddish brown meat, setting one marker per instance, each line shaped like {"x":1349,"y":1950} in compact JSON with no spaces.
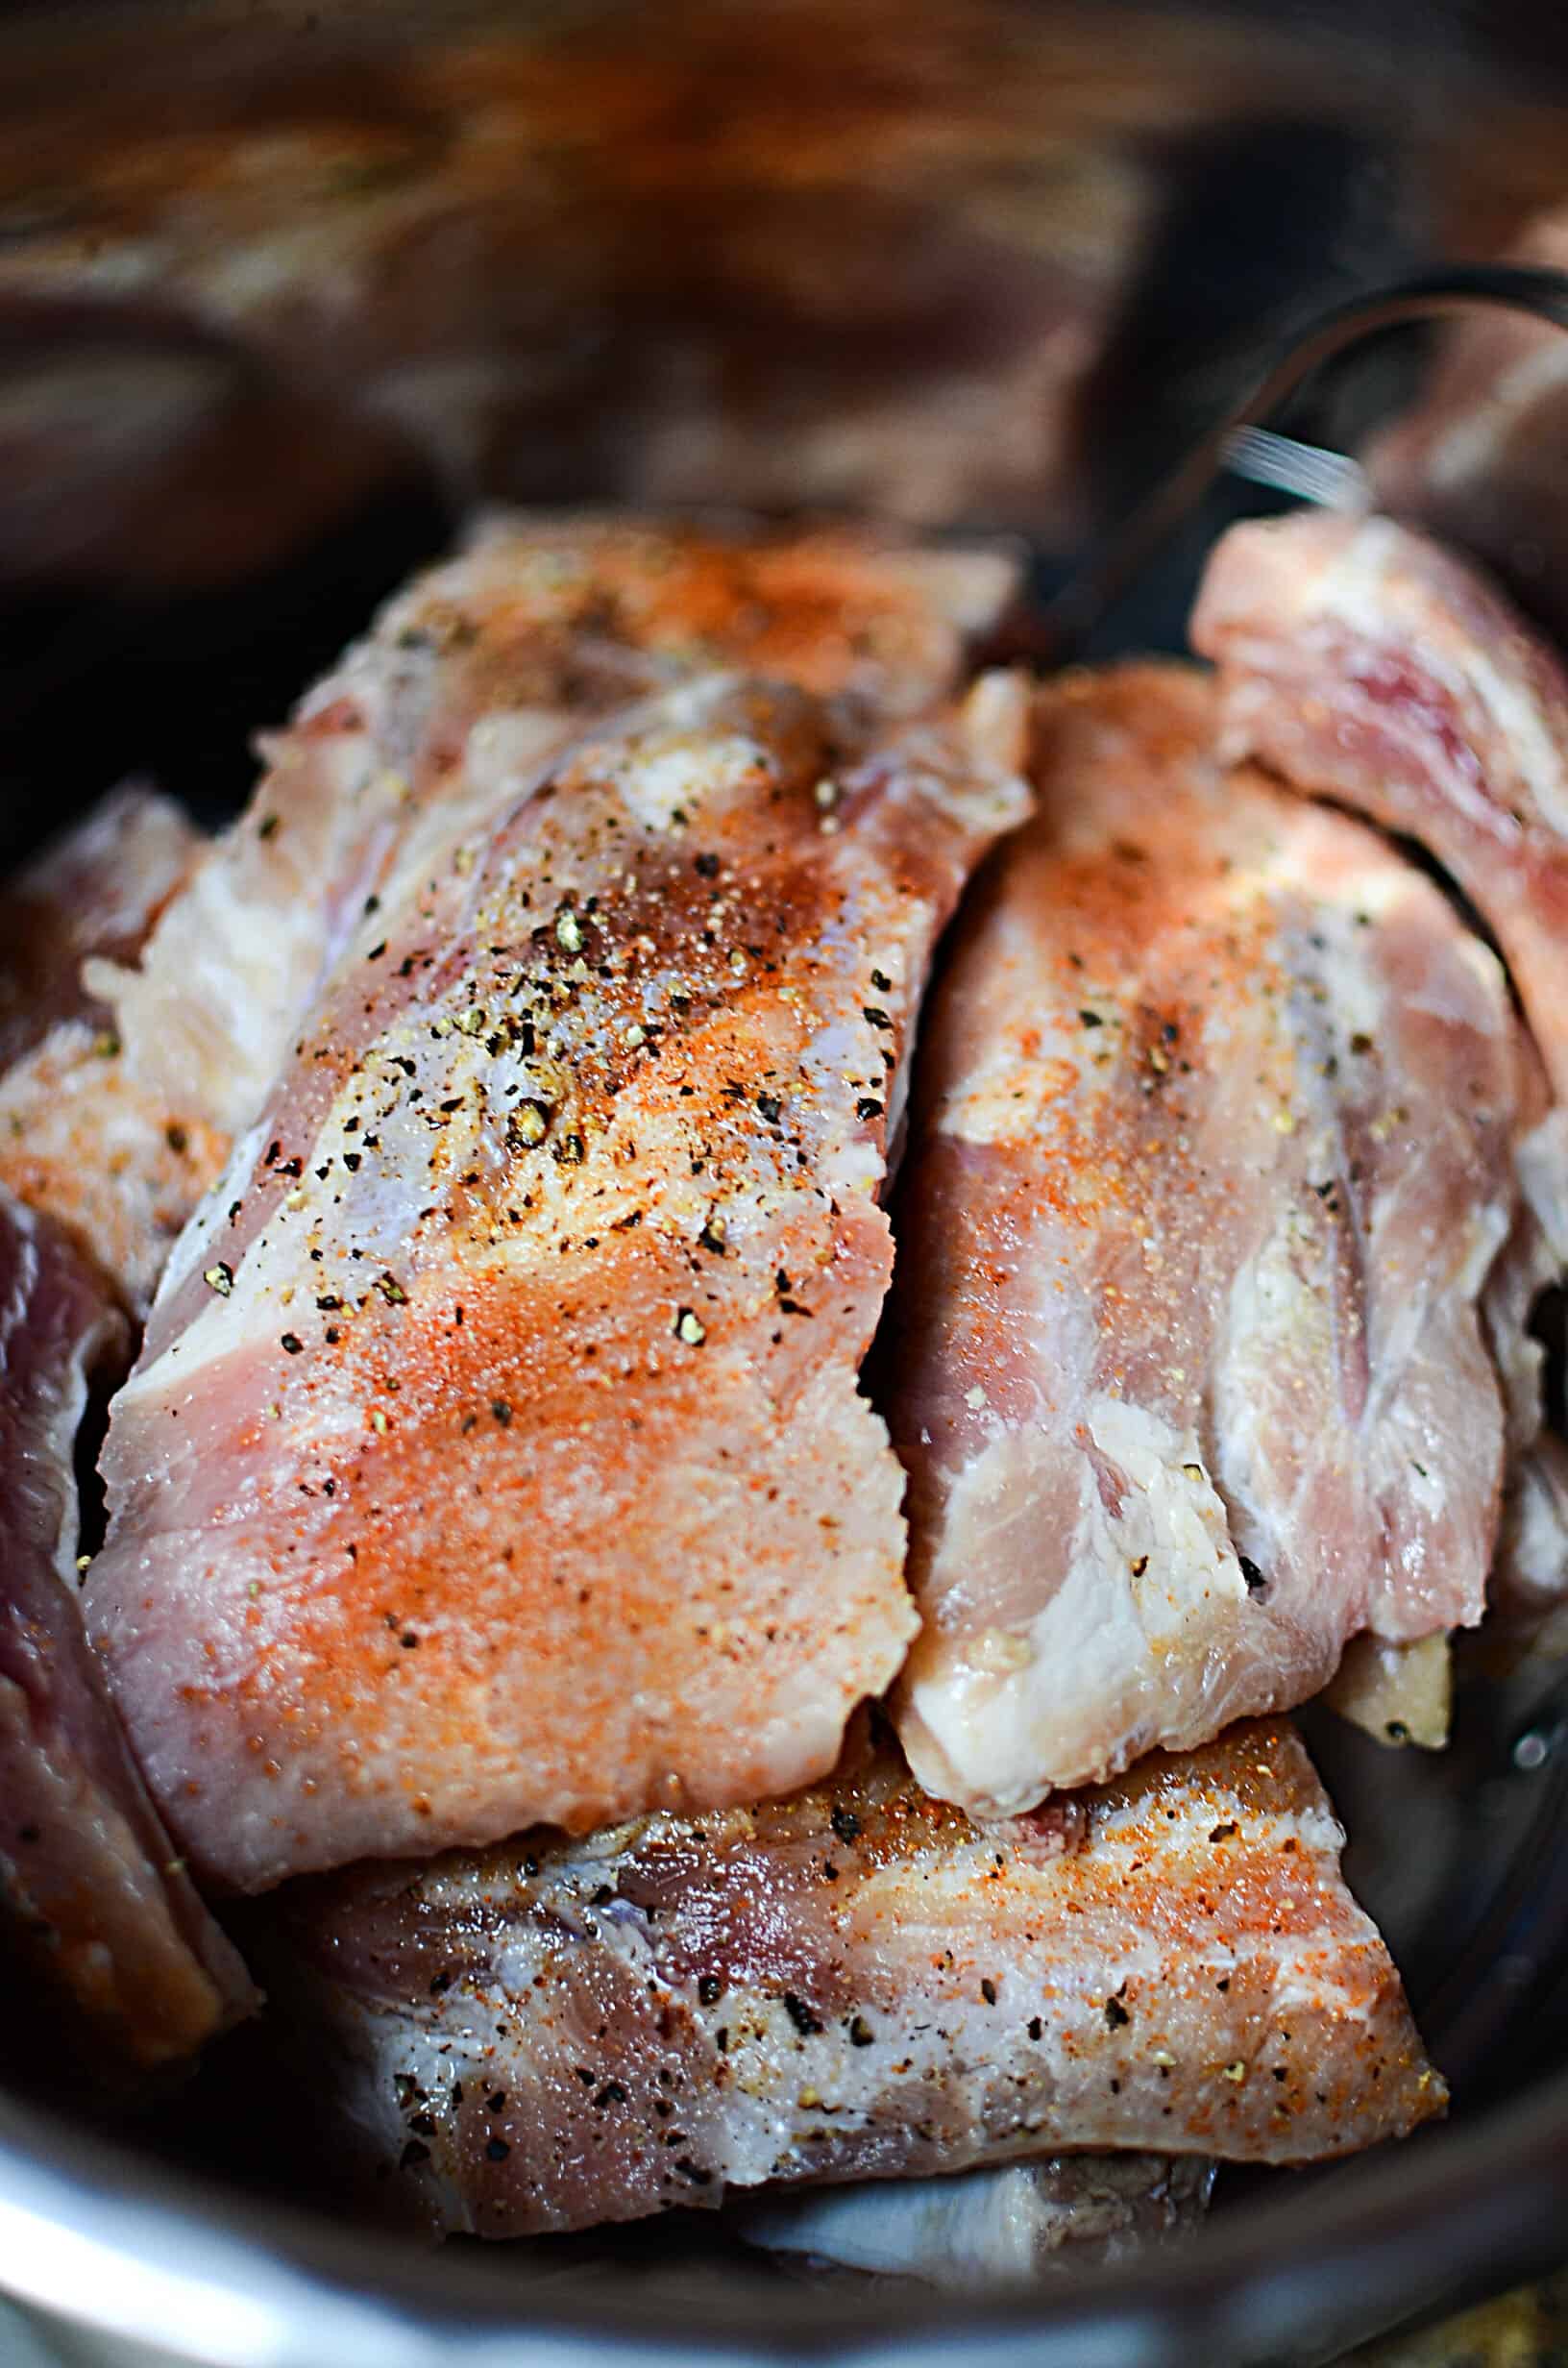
{"x":93,"y":1894}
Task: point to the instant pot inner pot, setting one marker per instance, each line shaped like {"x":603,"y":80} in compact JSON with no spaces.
{"x":1250,"y":213}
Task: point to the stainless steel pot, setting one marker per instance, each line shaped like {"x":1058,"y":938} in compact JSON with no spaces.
{"x":281,"y":290}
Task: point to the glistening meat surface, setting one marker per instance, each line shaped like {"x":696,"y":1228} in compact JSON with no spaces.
{"x":496,"y":1453}
{"x":1368,"y":665}
{"x":855,"y":1984}
{"x":93,"y":1897}
{"x":470,"y":679}
{"x":1214,"y":1153}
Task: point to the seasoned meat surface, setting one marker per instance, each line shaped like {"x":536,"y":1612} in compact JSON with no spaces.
{"x":93,"y":1898}
{"x":496,"y":1452}
{"x":471,"y":678}
{"x":1213,"y":1155}
{"x":858,"y":1983}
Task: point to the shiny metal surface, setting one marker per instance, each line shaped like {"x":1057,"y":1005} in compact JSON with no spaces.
{"x":21,"y":2345}
{"x":1291,"y":2281}
{"x":1203,"y":180}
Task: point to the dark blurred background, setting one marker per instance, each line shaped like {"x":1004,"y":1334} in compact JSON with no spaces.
{"x":287,"y":288}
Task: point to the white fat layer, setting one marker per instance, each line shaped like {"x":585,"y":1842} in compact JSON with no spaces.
{"x":200,"y":1244}
{"x":501,"y":756}
{"x":1533,"y":1553}
{"x":242,"y":960}
{"x":660,"y":787}
{"x":994,"y":720}
{"x":974,"y":2228}
{"x":993,"y":1725}
{"x":1542,"y":1160}
{"x":1007,"y":1097}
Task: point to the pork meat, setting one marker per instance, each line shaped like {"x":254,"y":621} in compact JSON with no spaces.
{"x":471,"y":678}
{"x":496,"y":1452}
{"x":857,"y":1983}
{"x":93,"y":1896}
{"x":1366,"y":664}
{"x":121,"y":1165}
{"x":1214,"y":1153}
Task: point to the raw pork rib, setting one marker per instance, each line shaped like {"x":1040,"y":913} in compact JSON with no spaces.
{"x":1213,"y":1154}
{"x":118,"y":1164}
{"x":472,"y":678}
{"x":94,"y":1898}
{"x":1366,"y":664}
{"x":855,"y":1984}
{"x":496,"y":1454}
